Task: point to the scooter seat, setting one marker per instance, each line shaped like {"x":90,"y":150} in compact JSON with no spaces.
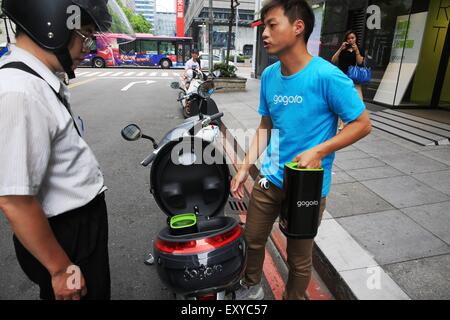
{"x":207,"y":228}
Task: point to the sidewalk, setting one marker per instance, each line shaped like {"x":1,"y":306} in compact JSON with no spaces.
{"x":386,"y":232}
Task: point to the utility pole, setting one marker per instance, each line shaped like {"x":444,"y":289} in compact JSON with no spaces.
{"x":210,"y":36}
{"x":236,"y":38}
{"x":234,"y":4}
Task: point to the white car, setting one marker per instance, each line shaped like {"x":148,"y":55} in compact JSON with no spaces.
{"x":204,"y":60}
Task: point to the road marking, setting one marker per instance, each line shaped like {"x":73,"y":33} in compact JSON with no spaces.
{"x":137,"y":82}
{"x":128,"y":74}
{"x":164,"y":74}
{"x":153,"y":74}
{"x":80,"y":74}
{"x":74,"y":85}
{"x":105,"y":74}
{"x":117,"y":74}
{"x":92,"y":74}
{"x":177,"y":74}
{"x":141,"y":74}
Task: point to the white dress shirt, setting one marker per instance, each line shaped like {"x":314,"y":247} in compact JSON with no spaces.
{"x":41,"y":153}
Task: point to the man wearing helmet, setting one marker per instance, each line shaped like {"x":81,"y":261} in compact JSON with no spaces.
{"x":51,"y":186}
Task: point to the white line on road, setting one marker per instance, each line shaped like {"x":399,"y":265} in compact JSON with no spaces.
{"x":140,"y":74}
{"x":137,"y":82}
{"x":128,"y":74}
{"x":164,"y":74}
{"x":117,"y":74}
{"x":153,"y":74}
{"x":81,"y":74}
{"x":93,"y":74}
{"x":105,"y":74}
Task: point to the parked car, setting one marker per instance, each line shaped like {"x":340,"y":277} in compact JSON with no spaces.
{"x":3,"y":49}
{"x":204,"y":60}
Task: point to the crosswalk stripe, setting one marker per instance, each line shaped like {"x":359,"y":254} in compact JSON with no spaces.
{"x":164,"y":74}
{"x":92,"y":74}
{"x":128,"y":74}
{"x":140,"y":74}
{"x":79,"y":74}
{"x":153,"y":74}
{"x":177,"y":74}
{"x":117,"y":74}
{"x":105,"y":74}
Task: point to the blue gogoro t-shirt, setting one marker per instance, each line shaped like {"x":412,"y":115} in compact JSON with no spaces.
{"x":304,"y":109}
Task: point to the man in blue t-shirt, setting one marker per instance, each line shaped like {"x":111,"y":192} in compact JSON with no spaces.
{"x":302,"y":98}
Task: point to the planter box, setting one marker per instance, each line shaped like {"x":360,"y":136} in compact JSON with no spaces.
{"x":231,"y":84}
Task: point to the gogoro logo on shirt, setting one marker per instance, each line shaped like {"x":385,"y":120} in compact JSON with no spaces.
{"x":285,"y":100}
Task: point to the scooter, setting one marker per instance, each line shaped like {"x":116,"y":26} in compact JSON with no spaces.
{"x":200,"y":254}
{"x":187,"y":95}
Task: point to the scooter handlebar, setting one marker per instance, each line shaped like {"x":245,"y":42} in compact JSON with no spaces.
{"x":216,"y":116}
{"x":148,"y":160}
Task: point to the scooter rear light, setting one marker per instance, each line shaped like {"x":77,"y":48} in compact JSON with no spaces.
{"x":199,"y":246}
{"x":207,"y":297}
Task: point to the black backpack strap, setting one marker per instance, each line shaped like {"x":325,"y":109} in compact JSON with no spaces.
{"x":22,"y":66}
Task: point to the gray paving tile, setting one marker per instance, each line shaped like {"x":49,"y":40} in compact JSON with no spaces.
{"x":405,"y":191}
{"x":381,"y":148}
{"x":393,"y":237}
{"x":423,"y":279}
{"x":359,"y":163}
{"x":354,"y":198}
{"x":433,"y":217}
{"x":350,"y":155}
{"x":374,"y":173}
{"x":412,"y":163}
{"x":439,"y":180}
{"x":341,"y":177}
{"x":441,"y":154}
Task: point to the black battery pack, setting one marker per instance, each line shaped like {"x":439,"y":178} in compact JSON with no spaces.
{"x":299,"y":217}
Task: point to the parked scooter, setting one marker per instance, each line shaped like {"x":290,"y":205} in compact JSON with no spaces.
{"x":200,"y":254}
{"x":187,"y":95}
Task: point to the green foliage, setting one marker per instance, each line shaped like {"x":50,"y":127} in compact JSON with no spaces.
{"x":240,"y":58}
{"x":227,"y":71}
{"x":138,"y":21}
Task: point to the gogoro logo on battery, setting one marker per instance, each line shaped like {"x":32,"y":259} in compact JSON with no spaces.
{"x":307,"y":204}
{"x":285,"y":100}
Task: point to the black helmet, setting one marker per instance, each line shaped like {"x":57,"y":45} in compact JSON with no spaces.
{"x":50,"y":23}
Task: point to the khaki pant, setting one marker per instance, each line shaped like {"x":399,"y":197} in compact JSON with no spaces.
{"x":264,"y":208}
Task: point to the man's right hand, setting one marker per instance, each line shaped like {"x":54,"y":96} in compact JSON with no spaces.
{"x":237,"y":184}
{"x":69,"y":284}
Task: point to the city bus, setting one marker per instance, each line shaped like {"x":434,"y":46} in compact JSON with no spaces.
{"x":114,"y":50}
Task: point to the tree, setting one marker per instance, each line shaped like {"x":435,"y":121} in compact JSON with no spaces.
{"x":138,"y":21}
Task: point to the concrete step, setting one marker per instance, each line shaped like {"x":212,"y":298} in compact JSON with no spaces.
{"x":414,"y":129}
{"x":436,"y":124}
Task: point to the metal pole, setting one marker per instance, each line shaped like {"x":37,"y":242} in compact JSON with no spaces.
{"x":210,"y":35}
{"x":236,"y":36}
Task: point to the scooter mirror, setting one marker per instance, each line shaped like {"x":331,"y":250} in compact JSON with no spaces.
{"x":175,"y":85}
{"x":206,"y":89}
{"x":131,"y":132}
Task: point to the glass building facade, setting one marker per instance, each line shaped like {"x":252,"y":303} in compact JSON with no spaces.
{"x":147,"y":8}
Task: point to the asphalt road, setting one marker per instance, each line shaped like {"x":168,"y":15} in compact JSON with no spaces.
{"x":134,"y":218}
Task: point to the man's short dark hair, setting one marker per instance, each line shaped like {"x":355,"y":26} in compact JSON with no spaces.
{"x":294,"y":10}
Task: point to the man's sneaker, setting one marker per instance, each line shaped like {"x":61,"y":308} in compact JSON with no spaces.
{"x":246,"y":292}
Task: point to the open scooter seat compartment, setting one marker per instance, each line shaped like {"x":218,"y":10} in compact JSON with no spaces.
{"x":200,"y":250}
